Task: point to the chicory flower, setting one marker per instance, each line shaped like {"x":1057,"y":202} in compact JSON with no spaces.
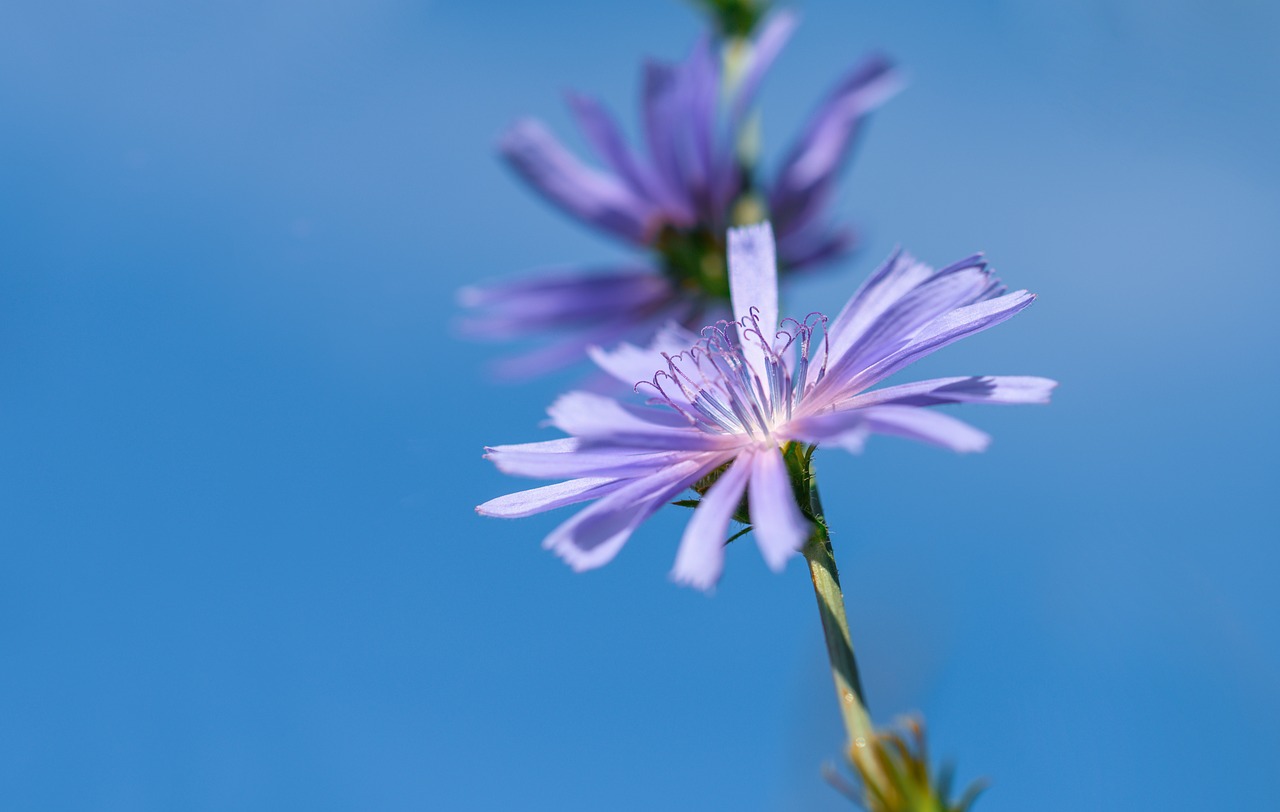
{"x":726,"y":411}
{"x":674,"y":200}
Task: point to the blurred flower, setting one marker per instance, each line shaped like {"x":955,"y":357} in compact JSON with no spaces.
{"x":696,"y":178}
{"x":893,"y":773}
{"x":729,"y":411}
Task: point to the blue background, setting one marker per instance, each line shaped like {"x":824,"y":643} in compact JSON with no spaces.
{"x":241,"y":445}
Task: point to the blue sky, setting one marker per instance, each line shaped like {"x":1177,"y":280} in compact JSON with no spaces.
{"x":241,"y":442}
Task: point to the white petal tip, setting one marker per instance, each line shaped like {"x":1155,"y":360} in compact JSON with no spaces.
{"x":975,"y":447}
{"x":703,"y":577}
{"x":748,"y":234}
{"x":778,"y":562}
{"x":700,"y":583}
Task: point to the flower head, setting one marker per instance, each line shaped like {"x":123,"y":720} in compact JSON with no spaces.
{"x":725,"y":410}
{"x":696,"y":177}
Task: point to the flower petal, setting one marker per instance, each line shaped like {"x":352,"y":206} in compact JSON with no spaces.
{"x":959,"y":323}
{"x":567,"y":459}
{"x":591,"y":196}
{"x":804,"y":184}
{"x":780,"y":528}
{"x":572,"y":347}
{"x":663,"y":123}
{"x":848,"y":429}
{"x":926,"y":426}
{"x":895,"y":278}
{"x":765,"y":48}
{"x":753,"y":288}
{"x":632,"y":364}
{"x":996,"y":389}
{"x":700,"y":76}
{"x":563,"y":299}
{"x":753,"y":275}
{"x":605,"y":136}
{"x":956,"y":286}
{"x":600,"y":419}
{"x":549,"y":497}
{"x":904,"y":306}
{"x":595,"y":534}
{"x":700,"y":558}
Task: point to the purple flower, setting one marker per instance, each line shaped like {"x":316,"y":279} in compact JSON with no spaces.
{"x":675,"y":200}
{"x":723,"y":409}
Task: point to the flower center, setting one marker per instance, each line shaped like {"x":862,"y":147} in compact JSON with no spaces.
{"x":694,"y":260}
{"x":739,"y":381}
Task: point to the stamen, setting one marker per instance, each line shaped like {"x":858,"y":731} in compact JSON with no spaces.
{"x":723,"y":390}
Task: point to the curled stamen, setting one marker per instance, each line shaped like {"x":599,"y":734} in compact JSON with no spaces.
{"x":687,"y":385}
{"x":664,"y":398}
{"x":725,"y":388}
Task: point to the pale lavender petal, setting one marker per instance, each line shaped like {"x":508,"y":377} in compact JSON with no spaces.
{"x":944,"y":292}
{"x":850,"y":428}
{"x":632,"y":364}
{"x":560,"y":445}
{"x":599,"y":418}
{"x":847,"y":428}
{"x":700,"y":558}
{"x":540,"y":463}
{"x":753,"y":287}
{"x":753,"y":275}
{"x":589,"y":195}
{"x":853,"y":439}
{"x":926,"y":426}
{"x":593,"y":536}
{"x":995,"y":389}
{"x":549,"y":497}
{"x":895,"y":278}
{"x":959,"y":323}
{"x":902,"y":301}
{"x":780,"y":528}
{"x":804,"y":183}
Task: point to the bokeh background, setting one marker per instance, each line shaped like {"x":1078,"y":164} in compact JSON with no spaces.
{"x":240,"y":444}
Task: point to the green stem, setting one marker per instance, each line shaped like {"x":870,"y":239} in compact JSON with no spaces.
{"x":835,"y":628}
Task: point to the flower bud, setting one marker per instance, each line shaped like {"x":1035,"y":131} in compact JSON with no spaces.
{"x":893,"y":773}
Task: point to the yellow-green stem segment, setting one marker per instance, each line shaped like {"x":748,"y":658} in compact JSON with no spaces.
{"x":835,"y":628}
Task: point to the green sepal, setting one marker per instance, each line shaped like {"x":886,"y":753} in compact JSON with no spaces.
{"x":738,"y":516}
{"x":894,"y":776}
